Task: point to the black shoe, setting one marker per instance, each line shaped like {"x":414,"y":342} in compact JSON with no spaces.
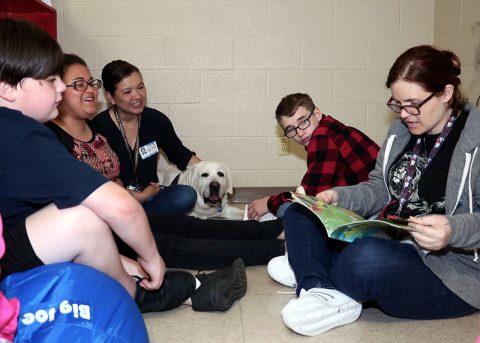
{"x":221,"y":288}
{"x":177,"y":287}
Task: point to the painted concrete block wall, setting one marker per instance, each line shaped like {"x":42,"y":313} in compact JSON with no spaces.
{"x":219,"y":68}
{"x":457,"y":28}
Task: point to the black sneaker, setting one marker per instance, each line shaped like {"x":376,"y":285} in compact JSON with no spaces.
{"x":221,"y":288}
{"x":177,"y":287}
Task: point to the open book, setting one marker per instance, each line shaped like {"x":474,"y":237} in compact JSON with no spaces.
{"x":345,"y":225}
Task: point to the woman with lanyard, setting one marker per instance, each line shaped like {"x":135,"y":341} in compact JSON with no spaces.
{"x":137,"y":133}
{"x":427,"y":171}
{"x":184,"y":241}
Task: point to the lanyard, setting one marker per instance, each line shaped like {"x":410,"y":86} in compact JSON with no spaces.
{"x":408,"y":187}
{"x":134,"y":158}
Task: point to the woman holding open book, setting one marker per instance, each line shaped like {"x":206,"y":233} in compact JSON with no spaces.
{"x":428,"y":171}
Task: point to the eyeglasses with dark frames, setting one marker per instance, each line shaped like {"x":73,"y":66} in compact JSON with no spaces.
{"x":410,"y":109}
{"x":291,"y":132}
{"x":81,"y":85}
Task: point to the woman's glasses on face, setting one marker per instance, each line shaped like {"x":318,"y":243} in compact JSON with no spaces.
{"x":81,"y":85}
{"x":302,"y":125}
{"x":413,"y":109}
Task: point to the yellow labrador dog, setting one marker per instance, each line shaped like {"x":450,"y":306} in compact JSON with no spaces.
{"x":213,"y":183}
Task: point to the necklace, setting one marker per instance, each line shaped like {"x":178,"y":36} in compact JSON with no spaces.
{"x":81,"y":134}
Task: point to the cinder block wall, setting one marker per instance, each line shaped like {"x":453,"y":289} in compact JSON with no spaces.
{"x":219,"y":68}
{"x":457,"y":27}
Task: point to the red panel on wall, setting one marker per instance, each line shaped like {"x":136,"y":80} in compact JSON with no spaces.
{"x":33,"y":10}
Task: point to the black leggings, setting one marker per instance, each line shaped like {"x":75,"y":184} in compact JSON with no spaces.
{"x":191,"y":243}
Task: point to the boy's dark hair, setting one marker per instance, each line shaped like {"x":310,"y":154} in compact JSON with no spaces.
{"x":114,"y":72}
{"x":430,"y":68}
{"x":27,"y":51}
{"x":290,"y":103}
{"x":71,"y":59}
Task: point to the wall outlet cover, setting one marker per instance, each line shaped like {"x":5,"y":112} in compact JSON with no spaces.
{"x":283,"y":146}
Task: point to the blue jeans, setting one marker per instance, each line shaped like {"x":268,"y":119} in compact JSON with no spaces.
{"x":387,"y":274}
{"x":172,"y":199}
{"x":282,"y":208}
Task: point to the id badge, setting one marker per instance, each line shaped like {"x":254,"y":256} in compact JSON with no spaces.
{"x":148,"y":150}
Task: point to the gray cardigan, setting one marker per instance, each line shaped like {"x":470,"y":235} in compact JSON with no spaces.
{"x":457,"y":264}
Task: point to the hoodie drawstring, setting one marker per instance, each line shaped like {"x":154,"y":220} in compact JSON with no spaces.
{"x":470,"y":199}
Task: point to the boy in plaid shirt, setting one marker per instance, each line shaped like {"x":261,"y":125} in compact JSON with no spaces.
{"x":337,"y":155}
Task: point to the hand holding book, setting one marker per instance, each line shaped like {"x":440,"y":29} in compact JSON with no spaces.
{"x":432,"y":232}
{"x":329,"y":196}
{"x":345,"y":225}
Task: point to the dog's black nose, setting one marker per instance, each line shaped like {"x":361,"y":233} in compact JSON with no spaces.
{"x":214,"y":187}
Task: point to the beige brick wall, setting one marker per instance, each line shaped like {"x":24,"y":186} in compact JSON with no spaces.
{"x":219,"y":68}
{"x":457,"y":27}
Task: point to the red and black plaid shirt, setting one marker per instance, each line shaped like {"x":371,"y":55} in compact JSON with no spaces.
{"x":337,"y":155}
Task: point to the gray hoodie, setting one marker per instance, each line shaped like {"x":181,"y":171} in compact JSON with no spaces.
{"x":457,"y":264}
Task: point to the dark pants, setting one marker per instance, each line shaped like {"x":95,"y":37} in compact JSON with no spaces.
{"x":193,"y":243}
{"x":387,"y":273}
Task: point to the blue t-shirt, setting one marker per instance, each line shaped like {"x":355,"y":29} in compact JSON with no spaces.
{"x":36,"y":169}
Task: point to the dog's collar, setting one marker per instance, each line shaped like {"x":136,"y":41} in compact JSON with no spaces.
{"x":175,"y":180}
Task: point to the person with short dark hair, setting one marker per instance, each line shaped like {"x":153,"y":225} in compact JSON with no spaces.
{"x":137,"y":133}
{"x":337,"y":154}
{"x":428,"y":171}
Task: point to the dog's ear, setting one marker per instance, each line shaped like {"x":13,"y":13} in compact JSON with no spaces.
{"x":229,"y":180}
{"x":190,"y":176}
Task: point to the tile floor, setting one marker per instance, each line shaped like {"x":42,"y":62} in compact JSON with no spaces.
{"x":256,"y":319}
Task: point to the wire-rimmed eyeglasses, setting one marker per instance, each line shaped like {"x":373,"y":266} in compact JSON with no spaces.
{"x":413,"y":109}
{"x":81,"y":85}
{"x":302,"y":125}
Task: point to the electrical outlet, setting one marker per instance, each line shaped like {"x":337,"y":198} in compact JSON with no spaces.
{"x":283,"y":147}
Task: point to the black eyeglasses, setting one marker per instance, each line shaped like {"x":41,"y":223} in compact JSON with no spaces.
{"x":410,"y":109}
{"x":302,"y":125}
{"x":81,"y":85}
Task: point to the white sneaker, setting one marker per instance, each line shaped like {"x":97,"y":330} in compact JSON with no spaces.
{"x":318,"y":310}
{"x":279,"y":270}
